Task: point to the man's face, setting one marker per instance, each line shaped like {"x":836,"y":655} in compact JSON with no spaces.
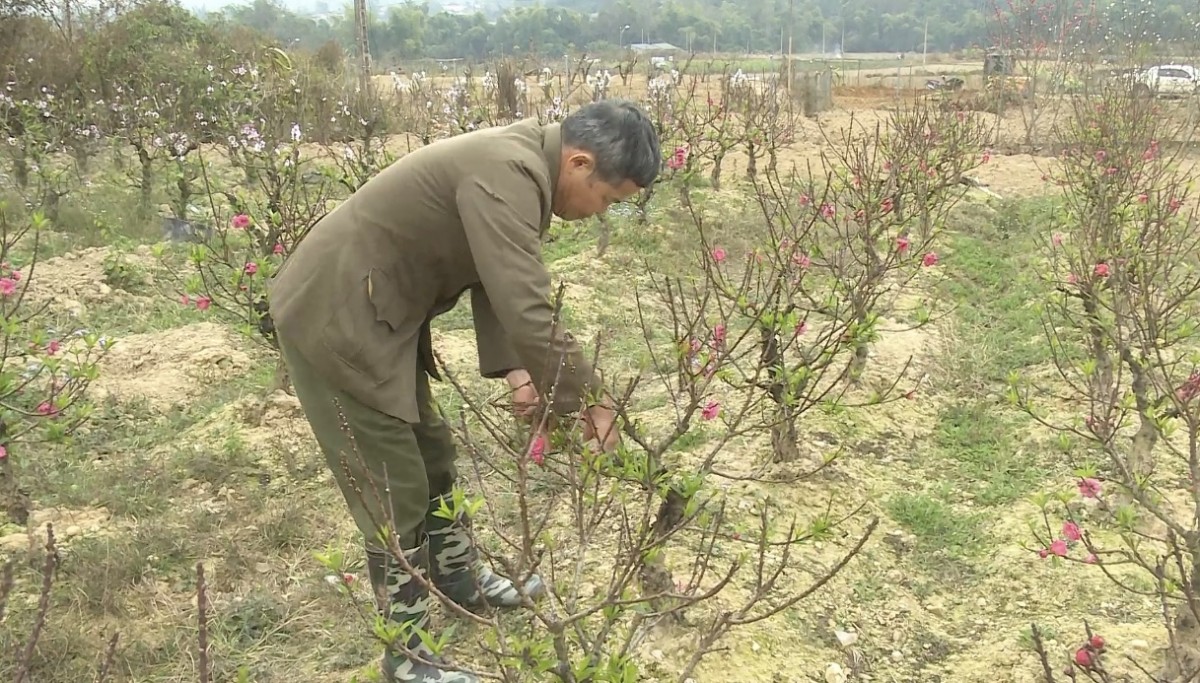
{"x":581,"y":194}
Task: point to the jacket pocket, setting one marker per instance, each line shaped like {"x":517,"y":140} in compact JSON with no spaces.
{"x":385,"y":299}
{"x":370,"y":329}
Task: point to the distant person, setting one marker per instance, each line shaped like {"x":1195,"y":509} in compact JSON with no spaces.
{"x":352,"y":308}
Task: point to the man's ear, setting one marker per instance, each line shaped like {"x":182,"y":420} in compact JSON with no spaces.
{"x":582,"y":161}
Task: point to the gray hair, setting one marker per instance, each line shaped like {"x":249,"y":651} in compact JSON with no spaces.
{"x":621,"y":137}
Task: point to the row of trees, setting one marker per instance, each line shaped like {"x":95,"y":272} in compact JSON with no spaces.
{"x":412,"y":30}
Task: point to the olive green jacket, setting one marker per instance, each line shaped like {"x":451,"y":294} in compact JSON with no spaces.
{"x":467,"y":213}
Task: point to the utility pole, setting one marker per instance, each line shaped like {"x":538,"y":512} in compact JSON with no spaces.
{"x":925,"y":47}
{"x":364,"y":53}
{"x":791,"y":30}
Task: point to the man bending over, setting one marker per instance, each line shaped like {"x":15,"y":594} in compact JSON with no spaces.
{"x":352,"y":308}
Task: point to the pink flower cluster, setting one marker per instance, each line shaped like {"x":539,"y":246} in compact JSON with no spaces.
{"x":239,"y":222}
{"x":678,"y":159}
{"x":1189,"y":389}
{"x":9,"y":277}
{"x":1089,"y":487}
{"x":1087,"y":656}
{"x":202,"y":303}
{"x":537,"y":449}
{"x":1071,"y":533}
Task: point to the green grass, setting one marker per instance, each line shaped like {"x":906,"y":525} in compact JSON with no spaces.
{"x":982,"y":443}
{"x":979,"y":457}
{"x":938,"y":526}
{"x":979,"y":451}
{"x":996,"y":290}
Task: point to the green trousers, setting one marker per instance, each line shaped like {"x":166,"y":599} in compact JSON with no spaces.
{"x":398,"y":466}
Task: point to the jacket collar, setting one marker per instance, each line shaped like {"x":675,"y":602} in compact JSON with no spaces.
{"x":552,"y":150}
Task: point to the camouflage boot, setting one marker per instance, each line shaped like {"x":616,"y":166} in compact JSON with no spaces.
{"x":403,"y":599}
{"x":459,"y":572}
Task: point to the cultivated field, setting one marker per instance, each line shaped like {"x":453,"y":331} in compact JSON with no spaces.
{"x":192,"y":454}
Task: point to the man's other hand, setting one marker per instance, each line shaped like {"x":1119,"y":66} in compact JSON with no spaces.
{"x":600,"y":425}
{"x":525,"y":397}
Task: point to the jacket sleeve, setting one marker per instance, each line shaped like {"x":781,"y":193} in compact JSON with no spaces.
{"x":501,"y":212}
{"x":496,"y":355}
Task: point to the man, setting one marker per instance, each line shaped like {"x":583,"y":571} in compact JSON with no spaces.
{"x":352,"y":307}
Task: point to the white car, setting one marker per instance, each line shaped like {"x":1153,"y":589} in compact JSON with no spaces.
{"x":1167,"y":80}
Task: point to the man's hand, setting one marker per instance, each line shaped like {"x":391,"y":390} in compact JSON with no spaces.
{"x":600,"y":424}
{"x":525,"y":397}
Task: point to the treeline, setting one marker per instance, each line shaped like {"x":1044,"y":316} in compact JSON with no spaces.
{"x":415,"y":30}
